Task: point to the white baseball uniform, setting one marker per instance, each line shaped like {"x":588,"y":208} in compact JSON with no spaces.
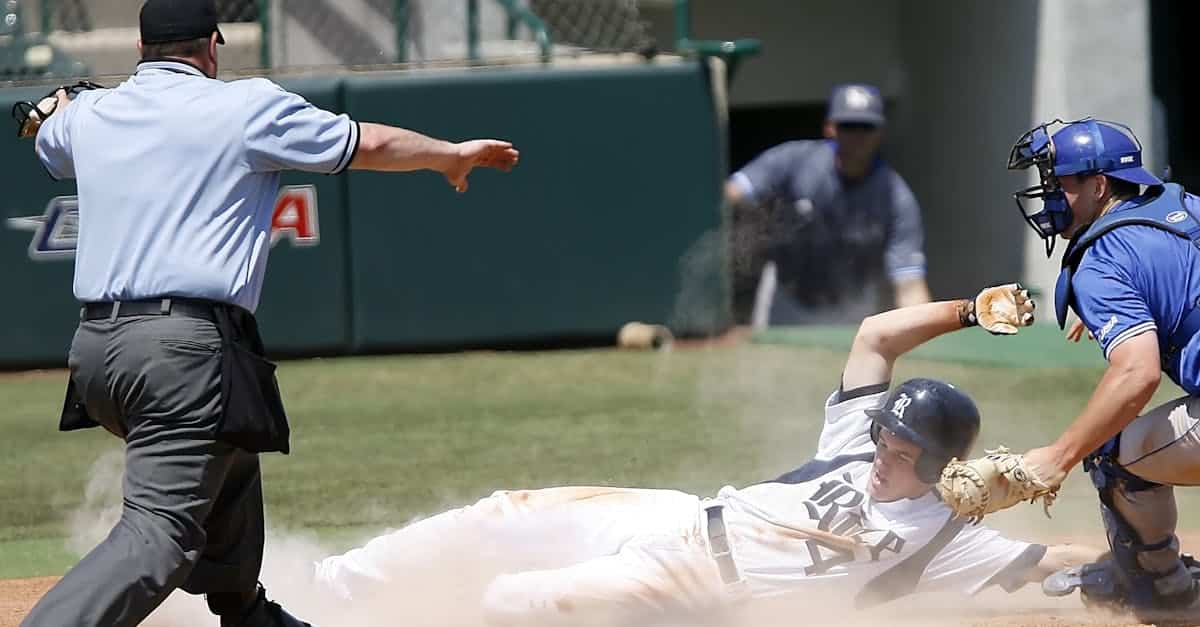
{"x":572,"y":554}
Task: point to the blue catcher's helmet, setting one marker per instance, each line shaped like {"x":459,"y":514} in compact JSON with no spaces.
{"x":1084,"y":146}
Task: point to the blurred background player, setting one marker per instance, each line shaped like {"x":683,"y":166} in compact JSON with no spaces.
{"x":842,"y":227}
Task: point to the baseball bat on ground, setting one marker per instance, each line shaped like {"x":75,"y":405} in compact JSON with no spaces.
{"x":639,"y":335}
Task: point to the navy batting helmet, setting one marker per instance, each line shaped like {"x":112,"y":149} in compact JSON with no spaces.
{"x":935,"y":416}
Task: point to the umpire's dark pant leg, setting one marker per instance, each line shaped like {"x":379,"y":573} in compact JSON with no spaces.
{"x":162,"y":374}
{"x":229,"y":565}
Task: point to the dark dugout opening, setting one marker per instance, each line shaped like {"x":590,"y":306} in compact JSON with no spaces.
{"x":1174,"y":56}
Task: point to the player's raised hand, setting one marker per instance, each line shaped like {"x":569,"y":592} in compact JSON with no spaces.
{"x":1075,"y":333}
{"x":1004,"y":308}
{"x":480,"y":153}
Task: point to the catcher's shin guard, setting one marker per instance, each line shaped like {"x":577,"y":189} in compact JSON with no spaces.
{"x":1123,"y":580}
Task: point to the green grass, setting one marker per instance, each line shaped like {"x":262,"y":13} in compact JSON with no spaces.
{"x":34,"y":557}
{"x":377,"y":441}
{"x":1041,"y":344}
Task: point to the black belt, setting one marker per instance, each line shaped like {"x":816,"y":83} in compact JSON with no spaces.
{"x":186,"y":307}
{"x":718,"y":545}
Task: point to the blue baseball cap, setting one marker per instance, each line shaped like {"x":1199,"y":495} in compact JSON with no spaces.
{"x":856,"y":104}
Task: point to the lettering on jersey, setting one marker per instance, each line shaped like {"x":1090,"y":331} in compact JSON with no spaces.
{"x":832,"y":497}
{"x":890,"y":542}
{"x":901,"y":404}
{"x":56,"y":231}
{"x":1108,"y":326}
{"x":835,"y":499}
{"x":1175,"y":217}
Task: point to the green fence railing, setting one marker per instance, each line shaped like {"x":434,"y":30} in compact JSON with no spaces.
{"x":553,"y":26}
{"x":65,"y":14}
{"x":400,"y":14}
{"x":732,"y":51}
{"x":264,"y":21}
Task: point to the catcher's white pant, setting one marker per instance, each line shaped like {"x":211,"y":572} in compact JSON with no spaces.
{"x":577,"y":555}
{"x":1163,"y":445}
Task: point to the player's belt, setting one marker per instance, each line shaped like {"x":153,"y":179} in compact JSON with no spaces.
{"x":718,"y":544}
{"x":186,"y":307}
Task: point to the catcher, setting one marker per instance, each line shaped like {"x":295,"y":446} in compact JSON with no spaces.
{"x":861,"y":523}
{"x":1131,"y":273}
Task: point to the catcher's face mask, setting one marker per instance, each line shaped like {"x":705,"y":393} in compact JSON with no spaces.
{"x":26,"y":113}
{"x":29,"y":115}
{"x":1036,"y":148}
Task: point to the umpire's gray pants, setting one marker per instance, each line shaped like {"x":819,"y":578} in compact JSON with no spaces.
{"x":192,"y":515}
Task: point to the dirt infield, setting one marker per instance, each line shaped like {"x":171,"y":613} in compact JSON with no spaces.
{"x":18,"y":595}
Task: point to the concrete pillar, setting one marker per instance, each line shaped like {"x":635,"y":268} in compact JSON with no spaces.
{"x":965,"y":95}
{"x":1094,"y":59}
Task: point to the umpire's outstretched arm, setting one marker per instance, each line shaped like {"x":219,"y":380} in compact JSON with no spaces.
{"x":391,"y":149}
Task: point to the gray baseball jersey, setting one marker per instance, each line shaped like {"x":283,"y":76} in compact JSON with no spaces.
{"x":834,"y":242}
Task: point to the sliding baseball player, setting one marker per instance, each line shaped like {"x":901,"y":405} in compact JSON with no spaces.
{"x":861,"y":523}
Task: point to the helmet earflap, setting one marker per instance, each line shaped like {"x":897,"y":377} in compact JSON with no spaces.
{"x":928,"y":468}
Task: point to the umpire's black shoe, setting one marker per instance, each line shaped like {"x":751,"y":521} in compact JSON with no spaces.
{"x":263,"y":613}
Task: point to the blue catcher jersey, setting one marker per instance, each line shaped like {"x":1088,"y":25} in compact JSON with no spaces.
{"x":1137,"y":270}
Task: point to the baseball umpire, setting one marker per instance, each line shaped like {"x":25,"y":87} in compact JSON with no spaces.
{"x":843,"y":225}
{"x":177,"y":175}
{"x":1131,"y":272}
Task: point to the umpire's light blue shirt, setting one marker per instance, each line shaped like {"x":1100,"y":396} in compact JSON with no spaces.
{"x":178,"y":175}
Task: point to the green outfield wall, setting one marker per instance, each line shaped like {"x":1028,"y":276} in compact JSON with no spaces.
{"x":613,"y":215}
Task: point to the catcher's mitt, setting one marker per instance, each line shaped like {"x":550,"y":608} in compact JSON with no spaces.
{"x":29,"y":115}
{"x":991,"y":483}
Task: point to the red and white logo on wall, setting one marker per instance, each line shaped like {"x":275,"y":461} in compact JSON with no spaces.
{"x":295,"y":216}
{"x":56,"y":231}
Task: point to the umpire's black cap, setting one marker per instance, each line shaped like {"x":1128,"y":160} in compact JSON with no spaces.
{"x":164,"y":21}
